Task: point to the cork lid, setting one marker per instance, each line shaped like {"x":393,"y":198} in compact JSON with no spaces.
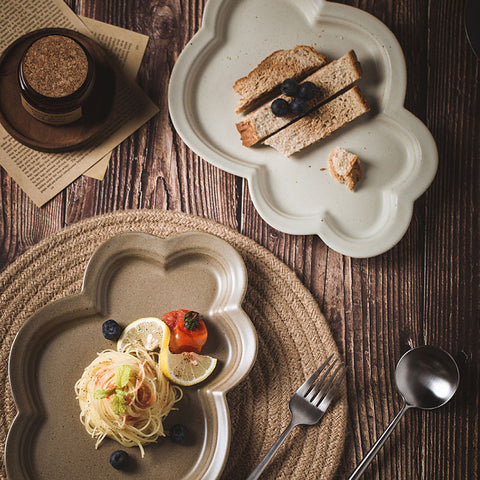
{"x":55,"y":66}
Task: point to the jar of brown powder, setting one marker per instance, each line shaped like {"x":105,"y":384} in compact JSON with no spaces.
{"x":56,"y":76}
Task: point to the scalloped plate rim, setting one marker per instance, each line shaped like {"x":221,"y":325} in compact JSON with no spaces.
{"x":404,"y":194}
{"x":29,"y":417}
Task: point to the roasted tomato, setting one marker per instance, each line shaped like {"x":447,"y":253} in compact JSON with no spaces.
{"x":173,"y":317}
{"x":188,"y":331}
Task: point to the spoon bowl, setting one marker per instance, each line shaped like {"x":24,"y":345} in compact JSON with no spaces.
{"x":427,"y":377}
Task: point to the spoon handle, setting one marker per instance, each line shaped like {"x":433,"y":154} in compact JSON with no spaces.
{"x":379,"y":443}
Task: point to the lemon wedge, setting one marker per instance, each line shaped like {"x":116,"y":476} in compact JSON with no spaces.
{"x":186,"y":368}
{"x":149,"y":333}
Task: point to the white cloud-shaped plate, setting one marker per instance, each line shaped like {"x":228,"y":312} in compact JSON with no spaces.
{"x":297,"y":195}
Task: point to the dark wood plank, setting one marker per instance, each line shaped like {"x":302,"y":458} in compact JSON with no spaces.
{"x":452,"y":274}
{"x":22,"y":223}
{"x":154,"y":168}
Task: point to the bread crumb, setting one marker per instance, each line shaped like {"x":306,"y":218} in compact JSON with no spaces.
{"x":345,"y":167}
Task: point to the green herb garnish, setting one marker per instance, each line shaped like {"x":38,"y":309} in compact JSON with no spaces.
{"x":122,"y":376}
{"x":191,"y":320}
{"x":119,"y":399}
{"x":102,"y":393}
{"x":119,"y":404}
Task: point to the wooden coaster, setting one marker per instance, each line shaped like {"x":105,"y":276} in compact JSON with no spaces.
{"x":49,"y":138}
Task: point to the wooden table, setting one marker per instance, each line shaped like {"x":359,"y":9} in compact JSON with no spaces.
{"x":423,"y":291}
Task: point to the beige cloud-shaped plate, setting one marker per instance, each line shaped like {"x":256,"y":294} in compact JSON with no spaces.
{"x":297,"y":195}
{"x":130,"y":276}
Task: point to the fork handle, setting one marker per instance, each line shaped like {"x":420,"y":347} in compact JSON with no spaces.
{"x":266,"y":459}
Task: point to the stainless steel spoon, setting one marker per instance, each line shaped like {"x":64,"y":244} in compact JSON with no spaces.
{"x":427,"y":378}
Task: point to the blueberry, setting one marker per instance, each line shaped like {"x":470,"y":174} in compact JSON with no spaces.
{"x":178,"y":433}
{"x":298,"y":106}
{"x":280,"y":107}
{"x":119,"y":459}
{"x":289,"y":87}
{"x":111,"y":330}
{"x":307,"y":90}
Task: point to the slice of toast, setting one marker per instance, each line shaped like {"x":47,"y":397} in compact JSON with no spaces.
{"x":345,"y":167}
{"x":296,"y":63}
{"x":330,"y":80}
{"x":320,"y":123}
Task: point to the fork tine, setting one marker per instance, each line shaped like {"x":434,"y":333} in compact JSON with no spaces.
{"x":313,"y":392}
{"x":331,"y":393}
{"x":324,"y":388}
{"x":309,"y":381}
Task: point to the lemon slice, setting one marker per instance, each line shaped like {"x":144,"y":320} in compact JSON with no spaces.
{"x":186,"y":368}
{"x":149,"y":333}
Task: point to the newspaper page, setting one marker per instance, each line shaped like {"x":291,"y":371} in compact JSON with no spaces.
{"x":44,"y":175}
{"x":128,"y":49}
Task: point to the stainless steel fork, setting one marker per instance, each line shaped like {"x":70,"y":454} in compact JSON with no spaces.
{"x":308,"y":405}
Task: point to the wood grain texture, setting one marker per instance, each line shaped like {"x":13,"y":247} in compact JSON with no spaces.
{"x":424,"y":290}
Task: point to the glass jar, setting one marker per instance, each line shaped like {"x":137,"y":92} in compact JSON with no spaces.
{"x":56,"y":75}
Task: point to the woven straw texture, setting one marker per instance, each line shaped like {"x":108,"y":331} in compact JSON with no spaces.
{"x":293,"y":335}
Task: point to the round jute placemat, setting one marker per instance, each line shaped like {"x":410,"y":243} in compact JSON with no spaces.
{"x":294,"y":338}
